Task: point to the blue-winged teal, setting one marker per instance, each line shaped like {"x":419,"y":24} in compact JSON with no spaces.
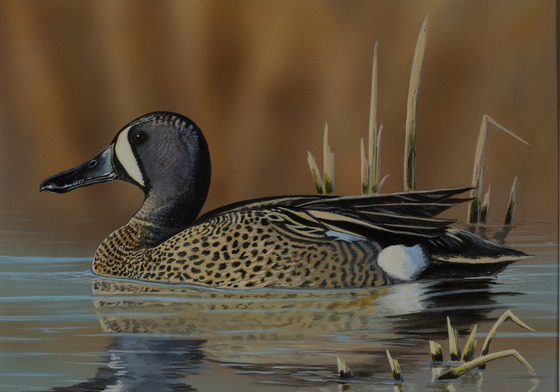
{"x":287,"y":241}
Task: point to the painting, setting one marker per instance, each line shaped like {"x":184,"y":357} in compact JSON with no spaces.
{"x":390,"y":177}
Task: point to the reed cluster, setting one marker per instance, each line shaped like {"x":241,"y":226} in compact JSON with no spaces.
{"x":371,"y":182}
{"x":460,"y":362}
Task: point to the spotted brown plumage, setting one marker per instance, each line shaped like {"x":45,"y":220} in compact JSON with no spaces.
{"x":251,"y":249}
{"x":287,"y":241}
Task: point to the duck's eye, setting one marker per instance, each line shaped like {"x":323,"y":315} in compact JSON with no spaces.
{"x":139,"y":137}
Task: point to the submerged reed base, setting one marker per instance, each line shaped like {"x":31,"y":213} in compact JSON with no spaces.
{"x":459,"y":364}
{"x":468,"y":361}
{"x":344,"y":372}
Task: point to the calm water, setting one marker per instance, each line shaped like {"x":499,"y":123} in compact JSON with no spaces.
{"x":64,"y":329}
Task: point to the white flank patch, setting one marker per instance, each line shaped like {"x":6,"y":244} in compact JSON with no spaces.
{"x":126,"y":157}
{"x":403,"y":262}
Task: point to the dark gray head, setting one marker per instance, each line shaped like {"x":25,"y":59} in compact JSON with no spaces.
{"x":165,"y":154}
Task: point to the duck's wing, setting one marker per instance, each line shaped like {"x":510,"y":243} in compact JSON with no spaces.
{"x":405,"y":216}
{"x":408,"y":219}
{"x":417,"y":204}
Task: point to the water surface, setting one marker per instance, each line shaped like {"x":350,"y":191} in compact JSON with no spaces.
{"x":63,"y":328}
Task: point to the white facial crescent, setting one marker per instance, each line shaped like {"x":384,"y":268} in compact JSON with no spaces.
{"x":126,"y":157}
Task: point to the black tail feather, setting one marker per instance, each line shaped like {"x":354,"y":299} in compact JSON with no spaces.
{"x":459,"y":246}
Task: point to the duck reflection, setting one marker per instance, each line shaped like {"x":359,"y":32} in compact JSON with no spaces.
{"x":136,"y":363}
{"x":239,"y":325}
{"x":466,"y":302}
{"x":165,"y":334}
{"x":280,"y":327}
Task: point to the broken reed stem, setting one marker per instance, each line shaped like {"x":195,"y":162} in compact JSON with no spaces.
{"x":343,"y":370}
{"x":364,"y":168}
{"x":328,"y":164}
{"x":411,"y":108}
{"x":382,"y":181}
{"x":317,"y":180}
{"x":510,"y":212}
{"x":476,"y":183}
{"x":378,"y":160}
{"x":373,"y":176}
{"x":324,"y":185}
{"x":474,"y":206}
{"x":485,"y":207}
{"x":508,"y":315}
{"x":454,"y":349}
{"x":395,"y":368}
{"x":482,"y":360}
{"x":470,"y":346}
{"x":435,"y":351}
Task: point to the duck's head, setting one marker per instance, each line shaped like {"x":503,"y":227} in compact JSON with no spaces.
{"x":164,"y":154}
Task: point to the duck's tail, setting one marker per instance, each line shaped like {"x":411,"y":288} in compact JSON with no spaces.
{"x":464,"y":253}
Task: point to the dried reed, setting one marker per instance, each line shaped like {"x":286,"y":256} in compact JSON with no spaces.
{"x":465,"y":367}
{"x":324,"y":185}
{"x":435,"y":351}
{"x":470,"y":346}
{"x":395,"y":368}
{"x":411,"y":108}
{"x":510,"y":212}
{"x":474,"y":206}
{"x":454,"y":349}
{"x":343,"y":370}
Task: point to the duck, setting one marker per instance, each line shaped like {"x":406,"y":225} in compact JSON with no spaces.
{"x":298,"y":241}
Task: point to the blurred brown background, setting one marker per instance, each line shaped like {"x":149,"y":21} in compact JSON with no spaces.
{"x":261,"y":78}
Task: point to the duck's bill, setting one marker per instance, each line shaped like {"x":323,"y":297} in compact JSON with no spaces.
{"x":96,"y":170}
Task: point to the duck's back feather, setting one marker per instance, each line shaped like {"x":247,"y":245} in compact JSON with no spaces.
{"x":405,"y":218}
{"x":406,"y":213}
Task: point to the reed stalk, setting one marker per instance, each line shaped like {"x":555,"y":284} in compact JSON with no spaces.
{"x":328,"y":164}
{"x":510,"y":212}
{"x":411,"y":108}
{"x":378,"y":159}
{"x":482,"y":360}
{"x":370,"y":164}
{"x":323,"y":185}
{"x":454,"y":349}
{"x":474,"y":206}
{"x":364,"y":169}
{"x":468,"y":360}
{"x":395,"y":368}
{"x":317,"y":180}
{"x":485,"y":207}
{"x":343,"y":370}
{"x":383,"y":181}
{"x":435,"y":351}
{"x":373,"y":169}
{"x":470,"y":346}
{"x":508,"y":315}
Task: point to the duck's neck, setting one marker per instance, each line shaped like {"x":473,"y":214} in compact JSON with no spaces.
{"x":177,"y":189}
{"x":169,"y":214}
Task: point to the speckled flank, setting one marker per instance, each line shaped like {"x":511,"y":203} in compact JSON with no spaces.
{"x":241,"y":249}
